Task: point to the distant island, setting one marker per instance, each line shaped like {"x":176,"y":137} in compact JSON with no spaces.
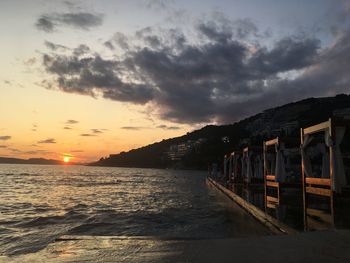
{"x":9,"y":160}
{"x":209,"y":144}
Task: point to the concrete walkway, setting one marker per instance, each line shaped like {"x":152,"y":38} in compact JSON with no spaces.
{"x":327,"y":246}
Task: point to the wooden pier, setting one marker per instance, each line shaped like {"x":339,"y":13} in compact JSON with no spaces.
{"x":305,"y":184}
{"x":273,"y":224}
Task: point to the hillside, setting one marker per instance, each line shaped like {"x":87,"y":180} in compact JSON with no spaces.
{"x":208,"y":144}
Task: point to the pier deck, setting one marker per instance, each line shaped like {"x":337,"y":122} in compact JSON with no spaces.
{"x":273,"y":224}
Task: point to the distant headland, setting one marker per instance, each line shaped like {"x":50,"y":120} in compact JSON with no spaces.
{"x":9,"y":160}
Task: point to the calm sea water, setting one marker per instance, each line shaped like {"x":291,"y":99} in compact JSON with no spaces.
{"x":39,"y":203}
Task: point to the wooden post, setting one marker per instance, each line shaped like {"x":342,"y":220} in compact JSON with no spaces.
{"x":265,"y":173}
{"x":331,"y":162}
{"x":225,"y":168}
{"x":245,"y":165}
{"x":278,"y":183}
{"x":235,"y":169}
{"x":303,"y":180}
{"x":230,"y":163}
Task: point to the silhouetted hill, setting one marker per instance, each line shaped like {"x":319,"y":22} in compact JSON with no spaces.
{"x":208,"y":144}
{"x":28,"y":161}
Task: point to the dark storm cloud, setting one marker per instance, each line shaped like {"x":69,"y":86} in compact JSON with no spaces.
{"x":148,"y":36}
{"x":93,"y":75}
{"x":54,"y":47}
{"x":118,"y":40}
{"x":48,"y":141}
{"x":45,"y":23}
{"x":288,"y":54}
{"x":80,"y":20}
{"x":173,"y":39}
{"x":109,"y":44}
{"x":223,"y":29}
{"x":81,"y":50}
{"x":5,"y":138}
{"x":222,"y":78}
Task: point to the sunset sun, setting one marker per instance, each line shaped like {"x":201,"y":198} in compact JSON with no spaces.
{"x":66,"y":159}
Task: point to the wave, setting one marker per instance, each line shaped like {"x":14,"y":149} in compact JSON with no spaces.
{"x":96,"y":201}
{"x":69,"y":217}
{"x":86,"y":184}
{"x":28,"y":174}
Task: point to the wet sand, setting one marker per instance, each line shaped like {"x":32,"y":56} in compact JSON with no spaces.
{"x":325,"y":246}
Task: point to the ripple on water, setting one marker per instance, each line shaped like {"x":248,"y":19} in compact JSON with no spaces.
{"x":40,"y":203}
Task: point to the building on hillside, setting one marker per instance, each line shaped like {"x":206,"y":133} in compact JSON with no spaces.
{"x":177,"y":151}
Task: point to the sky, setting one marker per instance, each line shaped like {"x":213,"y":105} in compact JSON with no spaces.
{"x":85,"y":79}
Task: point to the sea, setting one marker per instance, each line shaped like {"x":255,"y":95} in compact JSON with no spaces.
{"x":40,"y":203}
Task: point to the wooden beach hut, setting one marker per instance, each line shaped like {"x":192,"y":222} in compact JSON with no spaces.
{"x":324,"y":177}
{"x":282,"y":170}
